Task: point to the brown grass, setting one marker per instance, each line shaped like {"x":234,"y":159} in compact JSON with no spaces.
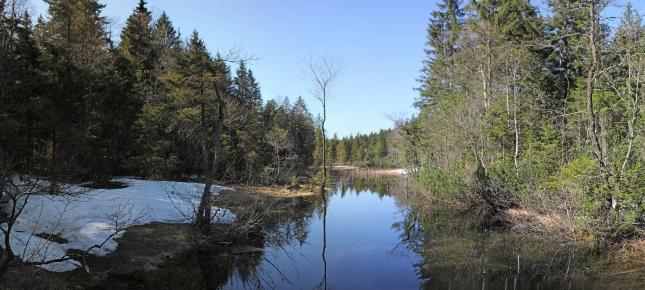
{"x":550,"y":224}
{"x":369,"y":171}
{"x":273,"y":191}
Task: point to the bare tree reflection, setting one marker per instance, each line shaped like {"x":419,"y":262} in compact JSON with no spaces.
{"x":323,"y":283}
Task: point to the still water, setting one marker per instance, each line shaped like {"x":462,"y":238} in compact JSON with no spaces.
{"x":363,"y":247}
{"x":371,"y":232}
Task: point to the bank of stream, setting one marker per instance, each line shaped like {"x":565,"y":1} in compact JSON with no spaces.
{"x":368,"y":232}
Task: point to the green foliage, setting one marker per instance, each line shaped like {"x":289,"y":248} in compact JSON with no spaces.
{"x":366,"y":150}
{"x":75,"y":104}
{"x":442,"y":183}
{"x":507,"y":111}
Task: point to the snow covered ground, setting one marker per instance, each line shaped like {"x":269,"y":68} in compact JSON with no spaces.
{"x":89,"y":218}
{"x":398,"y":171}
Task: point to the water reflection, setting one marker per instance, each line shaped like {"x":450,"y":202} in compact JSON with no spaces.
{"x":372,"y":232}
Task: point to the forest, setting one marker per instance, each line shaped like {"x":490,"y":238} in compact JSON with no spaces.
{"x":539,"y":111}
{"x":373,"y":150}
{"x":76,"y":103}
{"x":126,"y":155}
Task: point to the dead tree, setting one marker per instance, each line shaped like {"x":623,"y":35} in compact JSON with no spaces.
{"x":323,"y":73}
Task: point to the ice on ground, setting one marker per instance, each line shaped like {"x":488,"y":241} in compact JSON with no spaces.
{"x":88,"y":219}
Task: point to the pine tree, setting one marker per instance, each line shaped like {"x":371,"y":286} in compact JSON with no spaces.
{"x":138,"y":44}
{"x":441,"y":45}
{"x":155,"y":155}
{"x":246,"y":89}
{"x":342,"y":156}
{"x":518,"y":21}
{"x":303,"y":135}
{"x":76,"y":50}
{"x":22,"y":110}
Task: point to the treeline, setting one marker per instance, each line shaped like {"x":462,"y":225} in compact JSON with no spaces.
{"x":535,"y":111}
{"x":367,"y":150}
{"x":75,"y":103}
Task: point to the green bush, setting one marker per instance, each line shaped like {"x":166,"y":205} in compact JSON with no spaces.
{"x":440,"y":182}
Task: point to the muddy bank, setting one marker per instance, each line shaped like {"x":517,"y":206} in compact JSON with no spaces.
{"x":141,"y":248}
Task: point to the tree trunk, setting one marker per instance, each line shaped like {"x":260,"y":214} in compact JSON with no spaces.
{"x":632,"y":120}
{"x":7,"y":253}
{"x":598,"y":149}
{"x":515,"y":125}
{"x":324,"y":144}
{"x":203,"y":217}
{"x":5,"y":259}
{"x":2,"y":5}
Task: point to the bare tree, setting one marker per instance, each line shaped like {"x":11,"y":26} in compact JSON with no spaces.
{"x":599,"y":143}
{"x":323,"y":72}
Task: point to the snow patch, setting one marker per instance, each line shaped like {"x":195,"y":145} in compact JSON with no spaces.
{"x":399,"y":171}
{"x":89,"y":218}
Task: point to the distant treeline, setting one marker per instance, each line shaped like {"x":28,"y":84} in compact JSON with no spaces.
{"x":536,"y":111}
{"x":368,"y":150}
{"x":75,"y":103}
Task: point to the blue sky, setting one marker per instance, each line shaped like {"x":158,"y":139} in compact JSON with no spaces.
{"x":379,"y":43}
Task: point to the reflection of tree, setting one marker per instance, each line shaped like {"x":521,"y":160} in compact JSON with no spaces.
{"x":238,"y":259}
{"x":323,"y":283}
{"x":365,"y":180}
{"x":455,"y":249}
{"x":461,"y":251}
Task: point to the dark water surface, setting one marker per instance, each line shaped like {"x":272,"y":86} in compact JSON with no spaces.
{"x":371,"y":233}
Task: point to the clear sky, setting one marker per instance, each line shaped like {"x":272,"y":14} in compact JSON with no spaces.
{"x":380,"y":44}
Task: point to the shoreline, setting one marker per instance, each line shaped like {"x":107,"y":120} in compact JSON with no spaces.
{"x":381,"y":171}
{"x":271,"y":191}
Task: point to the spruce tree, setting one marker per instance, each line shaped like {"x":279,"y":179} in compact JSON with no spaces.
{"x":138,"y":44}
{"x":442,"y":35}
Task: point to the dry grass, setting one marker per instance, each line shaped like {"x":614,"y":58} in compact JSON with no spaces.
{"x":369,"y":171}
{"x":549,"y":224}
{"x":633,"y":252}
{"x":274,"y":191}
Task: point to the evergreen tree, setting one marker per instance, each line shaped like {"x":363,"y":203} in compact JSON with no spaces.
{"x":76,"y":49}
{"x":441,"y":44}
{"x":138,"y":44}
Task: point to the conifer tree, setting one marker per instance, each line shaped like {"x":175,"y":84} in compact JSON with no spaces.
{"x":441,"y":44}
{"x":138,"y":44}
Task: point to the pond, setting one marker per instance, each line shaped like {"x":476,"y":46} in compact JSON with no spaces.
{"x":370,"y":232}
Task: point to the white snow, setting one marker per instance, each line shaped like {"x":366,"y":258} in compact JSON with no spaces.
{"x":399,"y":171}
{"x":89,"y":218}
